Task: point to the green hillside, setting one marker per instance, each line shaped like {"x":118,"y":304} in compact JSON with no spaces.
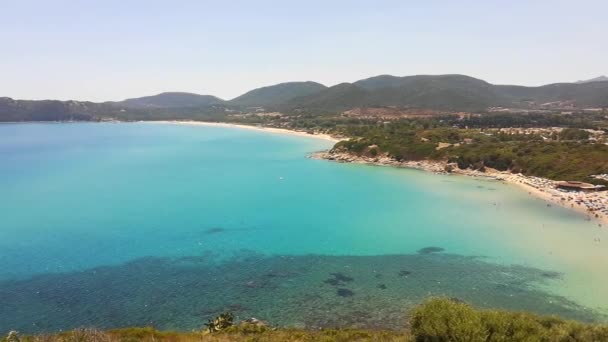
{"x":170,"y":100}
{"x":277,"y":94}
{"x":446,"y":92}
{"x":436,"y":92}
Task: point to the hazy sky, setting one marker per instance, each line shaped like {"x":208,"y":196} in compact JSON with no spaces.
{"x":111,"y":50}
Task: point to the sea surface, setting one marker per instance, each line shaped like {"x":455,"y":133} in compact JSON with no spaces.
{"x":113,"y":225}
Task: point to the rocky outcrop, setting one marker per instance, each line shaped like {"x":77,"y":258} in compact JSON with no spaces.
{"x":381,"y":160}
{"x":435,"y":166}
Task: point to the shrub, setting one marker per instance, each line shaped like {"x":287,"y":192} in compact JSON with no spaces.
{"x":442,"y":319}
{"x":446,"y":320}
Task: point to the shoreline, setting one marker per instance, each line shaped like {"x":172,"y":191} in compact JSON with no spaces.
{"x":540,"y":188}
{"x":256,"y":128}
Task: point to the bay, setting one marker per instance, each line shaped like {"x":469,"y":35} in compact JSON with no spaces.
{"x":113,"y":225}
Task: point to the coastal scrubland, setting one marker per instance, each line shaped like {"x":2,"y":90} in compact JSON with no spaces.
{"x":566,"y":154}
{"x":519,"y":153}
{"x":438,"y":319}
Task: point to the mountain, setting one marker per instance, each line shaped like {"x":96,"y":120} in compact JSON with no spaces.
{"x":592,"y":94}
{"x":170,"y":100}
{"x":45,"y":110}
{"x":451,"y":92}
{"x":379,"y":82}
{"x":51,"y":110}
{"x":277,"y":94}
{"x":337,"y":98}
{"x":596,"y":79}
{"x":446,"y":92}
{"x":434,"y":92}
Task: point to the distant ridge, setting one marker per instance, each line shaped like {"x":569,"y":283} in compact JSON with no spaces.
{"x":171,"y":100}
{"x":277,"y":94}
{"x":445,"y":92}
{"x":596,"y":79}
{"x":436,"y":92}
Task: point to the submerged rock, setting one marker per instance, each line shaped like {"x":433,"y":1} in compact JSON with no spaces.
{"x":551,"y":275}
{"x":332,"y":282}
{"x":457,"y":300}
{"x":214,"y":230}
{"x":254,"y":321}
{"x":429,"y":250}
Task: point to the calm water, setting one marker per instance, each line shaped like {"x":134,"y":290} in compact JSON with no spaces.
{"x":111,"y":225}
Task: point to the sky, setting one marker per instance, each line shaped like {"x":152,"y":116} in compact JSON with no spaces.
{"x":111,"y":50}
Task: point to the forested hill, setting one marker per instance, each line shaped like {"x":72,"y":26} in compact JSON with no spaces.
{"x":440,"y":92}
{"x":446,"y":92}
{"x":170,"y":100}
{"x":277,"y":94}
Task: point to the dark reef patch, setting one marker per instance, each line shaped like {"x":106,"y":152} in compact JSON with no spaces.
{"x":404,"y":273}
{"x":552,"y":275}
{"x":345,"y":293}
{"x":431,"y":249}
{"x":215,"y":230}
{"x":181,"y":293}
{"x":338,"y":279}
{"x":332,"y":281}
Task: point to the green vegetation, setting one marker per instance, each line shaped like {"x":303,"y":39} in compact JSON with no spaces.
{"x":446,"y":92}
{"x":574,"y":134}
{"x":500,"y":120}
{"x":567,"y":155}
{"x":170,"y":100}
{"x":277,"y":94}
{"x":448,"y":320}
{"x":439,"y":319}
{"x":553,"y":160}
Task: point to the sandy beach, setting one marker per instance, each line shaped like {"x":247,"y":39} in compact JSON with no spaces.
{"x":578,"y":201}
{"x":257,"y":128}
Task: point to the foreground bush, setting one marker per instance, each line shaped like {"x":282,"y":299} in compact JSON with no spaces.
{"x":443,"y":319}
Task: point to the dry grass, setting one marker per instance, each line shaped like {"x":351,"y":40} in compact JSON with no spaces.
{"x":237,"y":334}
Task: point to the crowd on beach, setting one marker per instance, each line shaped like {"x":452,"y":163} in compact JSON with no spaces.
{"x":592,"y":204}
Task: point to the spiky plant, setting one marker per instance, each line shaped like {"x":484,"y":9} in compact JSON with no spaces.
{"x":13,"y":336}
{"x":219,"y":323}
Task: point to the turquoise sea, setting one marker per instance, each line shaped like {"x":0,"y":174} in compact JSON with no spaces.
{"x":112,"y":225}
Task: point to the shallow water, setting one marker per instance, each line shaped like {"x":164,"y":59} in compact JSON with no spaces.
{"x":119,"y":224}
